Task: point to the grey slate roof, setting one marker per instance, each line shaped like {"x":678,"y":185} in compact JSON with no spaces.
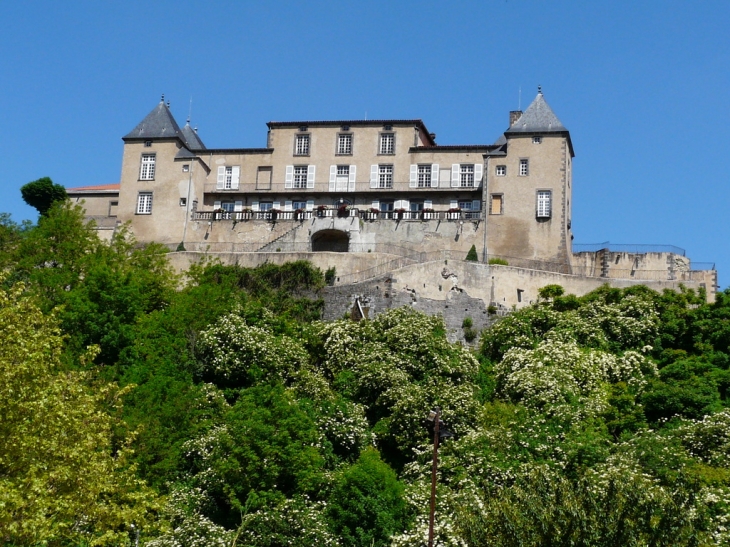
{"x":190,"y":136}
{"x":158,"y":124}
{"x":538,"y":118}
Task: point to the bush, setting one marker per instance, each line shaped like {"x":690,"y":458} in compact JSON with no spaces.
{"x":470,"y":334}
{"x":330,"y":275}
{"x":467,"y":323}
{"x":550,"y":291}
{"x":491,"y":309}
{"x":498,"y":262}
{"x":472,"y":254}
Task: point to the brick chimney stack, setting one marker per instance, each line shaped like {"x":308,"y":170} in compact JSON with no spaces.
{"x":514,"y":115}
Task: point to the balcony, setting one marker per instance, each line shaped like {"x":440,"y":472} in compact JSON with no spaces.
{"x":324,"y":188}
{"x":367,"y":215}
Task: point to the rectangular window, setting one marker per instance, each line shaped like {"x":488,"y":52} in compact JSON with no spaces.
{"x":144,"y":203}
{"x":524,"y":167}
{"x":263,"y":178}
{"x":424,"y":176}
{"x":343,"y":177}
{"x":466,"y":175}
{"x":301,"y":146}
{"x":147,"y":169}
{"x":266,"y":205}
{"x":544,"y":197}
{"x":344,"y":144}
{"x":228,"y":183}
{"x":300,"y":176}
{"x":227,"y":206}
{"x":385,"y":176}
{"x":186,"y":168}
{"x":416,"y":206}
{"x":299,"y":205}
{"x":387,"y":206}
{"x":387,"y":143}
{"x":495,"y":204}
{"x":501,"y":171}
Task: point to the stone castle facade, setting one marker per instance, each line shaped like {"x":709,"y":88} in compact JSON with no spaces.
{"x":372,"y":197}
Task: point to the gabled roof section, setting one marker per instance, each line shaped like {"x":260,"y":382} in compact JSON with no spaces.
{"x":190,"y":136}
{"x":159,"y":124}
{"x":538,"y":118}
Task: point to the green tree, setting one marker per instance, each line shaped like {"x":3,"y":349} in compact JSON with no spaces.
{"x":367,"y":504}
{"x":63,"y":477}
{"x":42,"y":194}
{"x":472,"y":254}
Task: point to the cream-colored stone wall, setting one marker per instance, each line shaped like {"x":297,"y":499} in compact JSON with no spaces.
{"x":517,"y":232}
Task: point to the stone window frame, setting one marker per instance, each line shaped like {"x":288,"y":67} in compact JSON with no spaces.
{"x":144,"y":203}
{"x":147,"y":164}
{"x":500,"y":170}
{"x":543,"y":203}
{"x":501,"y":204}
{"x":348,"y":146}
{"x":386,"y":148}
{"x":524,"y":167}
{"x":302,"y":144}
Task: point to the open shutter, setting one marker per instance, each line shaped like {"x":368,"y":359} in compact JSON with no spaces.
{"x":333,"y":177}
{"x":373,"y":176}
{"x":216,"y":205}
{"x":435,"y":175}
{"x":427,"y":204}
{"x":289,"y":180}
{"x":376,"y":204}
{"x":454,"y":204}
{"x":276,"y":205}
{"x":478,"y":167}
{"x":351,"y":180}
{"x":413,"y":181}
{"x":221,"y":177}
{"x":310,"y":204}
{"x":310,"y":176}
{"x":254,"y":205}
{"x":455,"y":169}
{"x":405,"y":204}
{"x":238,"y":206}
{"x":287,"y":205}
{"x":476,"y":205}
{"x":235,"y":177}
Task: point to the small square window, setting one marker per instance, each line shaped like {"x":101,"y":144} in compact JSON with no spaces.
{"x":536,"y":140}
{"x":186,"y":168}
{"x":524,"y":167}
{"x":148,"y":143}
{"x":501,"y":171}
{"x":183,"y":202}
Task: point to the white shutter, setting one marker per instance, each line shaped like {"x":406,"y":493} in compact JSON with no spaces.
{"x":455,"y":175}
{"x":235,"y":177}
{"x":405,"y":204}
{"x":454,"y":204}
{"x":216,"y":205}
{"x":310,"y":176}
{"x":476,"y":205}
{"x":351,"y":180}
{"x":427,"y":204}
{"x":373,"y":176}
{"x":221,"y":177}
{"x":435,"y":175}
{"x":310,"y":204}
{"x":254,"y":205}
{"x":277,"y":205}
{"x":287,"y":206}
{"x":333,"y":177}
{"x":238,"y":206}
{"x":413,"y":181}
{"x":478,"y":173}
{"x":376,"y":204}
{"x":289,"y":180}
{"x":397,"y":204}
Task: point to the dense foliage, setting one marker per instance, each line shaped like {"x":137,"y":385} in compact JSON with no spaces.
{"x":216,"y":409}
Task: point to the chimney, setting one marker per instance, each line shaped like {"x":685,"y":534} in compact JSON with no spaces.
{"x":433,"y":136}
{"x":514,"y":115}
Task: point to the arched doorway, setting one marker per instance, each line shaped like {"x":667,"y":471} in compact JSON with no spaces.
{"x":334,"y":241}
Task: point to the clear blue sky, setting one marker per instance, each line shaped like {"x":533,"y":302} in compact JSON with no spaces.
{"x":642,"y":86}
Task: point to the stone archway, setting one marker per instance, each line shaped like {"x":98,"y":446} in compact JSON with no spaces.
{"x":335,"y":241}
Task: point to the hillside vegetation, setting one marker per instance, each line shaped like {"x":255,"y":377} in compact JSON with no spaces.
{"x":218,"y":410}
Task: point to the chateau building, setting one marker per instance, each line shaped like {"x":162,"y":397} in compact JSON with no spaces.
{"x":312,"y":178}
{"x":372,"y":197}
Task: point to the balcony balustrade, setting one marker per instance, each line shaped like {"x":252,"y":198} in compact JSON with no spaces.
{"x":275,"y":215}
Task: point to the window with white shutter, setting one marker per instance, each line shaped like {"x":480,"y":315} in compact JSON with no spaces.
{"x":221,"y":180}
{"x":300,"y":176}
{"x":310,"y":176}
{"x":435,"y":175}
{"x":455,"y":169}
{"x":351,"y":180}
